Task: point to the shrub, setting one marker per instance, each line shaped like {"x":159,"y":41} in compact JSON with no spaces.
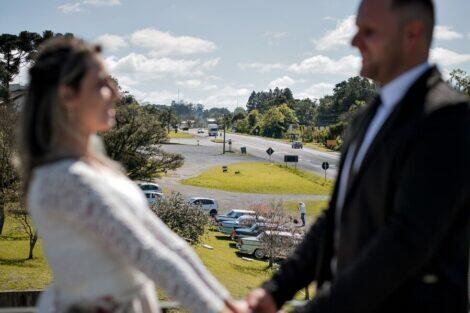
{"x":186,"y":220}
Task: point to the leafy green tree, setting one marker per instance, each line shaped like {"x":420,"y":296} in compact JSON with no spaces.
{"x":305,"y":111}
{"x":289,"y":116}
{"x":345,"y":94}
{"x":15,"y":51}
{"x":135,"y":141}
{"x":186,"y":220}
{"x":272,"y":123}
{"x":264,"y":100}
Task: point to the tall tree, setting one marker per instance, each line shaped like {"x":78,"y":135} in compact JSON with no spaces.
{"x":15,"y":51}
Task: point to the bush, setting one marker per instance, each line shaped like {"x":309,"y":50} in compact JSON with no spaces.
{"x":186,"y":220}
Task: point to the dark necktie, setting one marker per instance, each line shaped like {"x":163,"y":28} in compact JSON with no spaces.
{"x":358,"y":140}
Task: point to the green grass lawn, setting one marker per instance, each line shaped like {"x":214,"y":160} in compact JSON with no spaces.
{"x":16,"y":272}
{"x":313,"y":208}
{"x":236,"y":274}
{"x":239,"y":276}
{"x":317,"y":146}
{"x":218,"y":140}
{"x":262,"y":178}
{"x":179,"y":135}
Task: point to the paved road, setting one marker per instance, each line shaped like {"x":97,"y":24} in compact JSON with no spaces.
{"x":309,"y":159}
{"x":207,"y":154}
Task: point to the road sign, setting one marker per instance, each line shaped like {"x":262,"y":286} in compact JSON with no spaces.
{"x":291,"y":158}
{"x":325,"y":166}
{"x":270,"y":151}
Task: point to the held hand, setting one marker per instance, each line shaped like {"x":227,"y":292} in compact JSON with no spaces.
{"x":261,"y":301}
{"x":232,"y":306}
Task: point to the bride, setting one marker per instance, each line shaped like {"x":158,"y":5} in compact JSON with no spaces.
{"x":105,"y":248}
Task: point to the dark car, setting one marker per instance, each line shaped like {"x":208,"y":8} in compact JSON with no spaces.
{"x":252,"y":231}
{"x":297,"y":145}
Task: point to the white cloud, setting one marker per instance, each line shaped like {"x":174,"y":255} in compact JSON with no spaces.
{"x":68,"y":8}
{"x":262,"y":67}
{"x":227,"y":97}
{"x":135,"y":69}
{"x":282,"y":82}
{"x":144,"y":68}
{"x":446,"y":33}
{"x":164,"y":43}
{"x":274,"y":38}
{"x":102,"y":2}
{"x":196,"y":84}
{"x":112,"y":42}
{"x":161,"y":97}
{"x":72,"y":7}
{"x":447,"y":57}
{"x":211,"y":63}
{"x":320,"y":64}
{"x":316,"y":91}
{"x":340,"y":36}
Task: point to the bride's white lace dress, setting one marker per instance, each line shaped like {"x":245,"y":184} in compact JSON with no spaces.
{"x":106,"y":248}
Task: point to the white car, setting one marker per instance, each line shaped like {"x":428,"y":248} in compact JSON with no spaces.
{"x":208,"y":204}
{"x":153,"y":196}
{"x":145,"y":186}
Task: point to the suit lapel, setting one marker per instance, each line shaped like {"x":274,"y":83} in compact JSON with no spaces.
{"x":412,"y":99}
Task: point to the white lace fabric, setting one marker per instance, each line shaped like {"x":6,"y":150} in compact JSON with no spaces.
{"x":101,"y":240}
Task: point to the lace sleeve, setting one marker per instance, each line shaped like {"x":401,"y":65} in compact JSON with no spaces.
{"x":179,"y":246}
{"x":83,"y":204}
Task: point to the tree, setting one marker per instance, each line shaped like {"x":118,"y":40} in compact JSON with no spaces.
{"x":273,"y":244}
{"x":345,"y":94}
{"x":460,"y":81}
{"x":305,"y":111}
{"x":135,"y":141}
{"x":15,"y":51}
{"x":22,"y":216}
{"x":9,"y":179}
{"x":186,"y":220}
{"x":272,"y":123}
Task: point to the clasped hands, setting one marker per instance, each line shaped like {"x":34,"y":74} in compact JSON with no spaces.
{"x":257,"y":301}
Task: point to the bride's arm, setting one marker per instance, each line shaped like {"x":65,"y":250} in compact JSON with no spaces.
{"x":179,"y":246}
{"x":84,"y":205}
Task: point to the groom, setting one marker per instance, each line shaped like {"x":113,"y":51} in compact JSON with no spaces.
{"x":395,"y":237}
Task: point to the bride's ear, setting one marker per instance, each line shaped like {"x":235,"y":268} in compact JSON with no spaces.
{"x":66,"y":95}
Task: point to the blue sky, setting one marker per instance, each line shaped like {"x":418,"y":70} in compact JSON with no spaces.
{"x":216,"y":52}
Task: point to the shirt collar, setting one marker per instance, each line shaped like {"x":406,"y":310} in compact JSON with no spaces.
{"x":395,"y":90}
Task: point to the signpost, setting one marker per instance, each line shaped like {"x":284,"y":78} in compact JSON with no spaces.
{"x":325,"y":166}
{"x":291,"y":159}
{"x":270,"y":151}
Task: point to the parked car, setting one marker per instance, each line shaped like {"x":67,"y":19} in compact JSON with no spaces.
{"x":297,"y":145}
{"x":145,"y":186}
{"x":233,"y":215}
{"x":252,"y":231}
{"x":227,"y":227}
{"x":153,"y":196}
{"x":254,"y":246}
{"x":207,"y":204}
{"x":200,"y":131}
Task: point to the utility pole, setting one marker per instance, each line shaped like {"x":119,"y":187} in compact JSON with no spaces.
{"x":225,"y":122}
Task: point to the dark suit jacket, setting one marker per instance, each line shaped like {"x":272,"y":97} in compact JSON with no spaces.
{"x":404,"y":234}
